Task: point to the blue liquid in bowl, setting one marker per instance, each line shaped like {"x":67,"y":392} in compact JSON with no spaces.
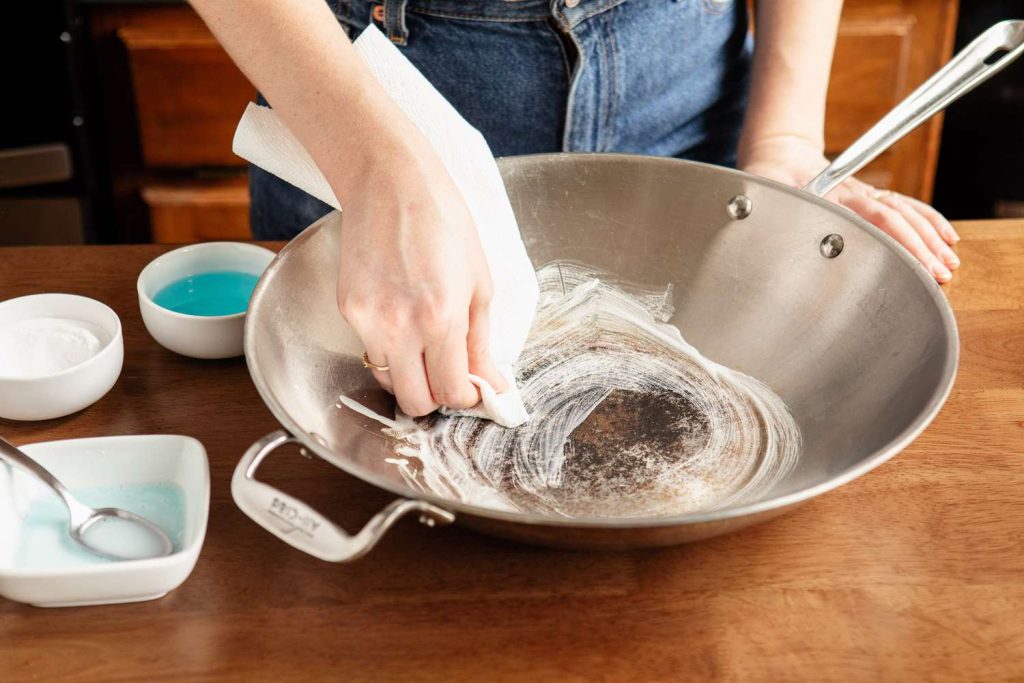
{"x":46,"y":543}
{"x":222,"y":292}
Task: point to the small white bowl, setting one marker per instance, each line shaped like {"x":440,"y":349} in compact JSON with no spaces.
{"x":116,"y":461}
{"x":70,"y":390}
{"x":198,"y":336}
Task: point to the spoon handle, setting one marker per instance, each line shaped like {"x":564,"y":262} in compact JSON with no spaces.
{"x":13,"y":454}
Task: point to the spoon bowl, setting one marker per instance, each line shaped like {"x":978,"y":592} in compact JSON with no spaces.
{"x":111,"y":533}
{"x":118,"y":534}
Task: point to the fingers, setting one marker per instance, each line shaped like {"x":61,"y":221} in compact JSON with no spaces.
{"x":448,"y":371}
{"x":426,"y":375}
{"x":383,"y":377}
{"x":938,"y":221}
{"x":944,"y":227}
{"x":893,"y":223}
{"x":928,"y":232}
{"x":478,"y":341}
{"x":409,"y":379}
{"x":858,"y":187}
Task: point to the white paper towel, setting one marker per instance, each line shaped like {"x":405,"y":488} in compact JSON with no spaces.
{"x":262,"y":139}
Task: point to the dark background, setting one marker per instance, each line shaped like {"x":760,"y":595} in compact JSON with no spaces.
{"x":981,"y":161}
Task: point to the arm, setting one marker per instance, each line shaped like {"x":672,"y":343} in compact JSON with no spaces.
{"x":413,"y":280}
{"x":783,"y":134}
{"x":792,"y":61}
{"x":296,"y":53}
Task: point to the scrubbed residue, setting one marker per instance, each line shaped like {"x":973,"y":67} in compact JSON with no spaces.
{"x":627,"y":418}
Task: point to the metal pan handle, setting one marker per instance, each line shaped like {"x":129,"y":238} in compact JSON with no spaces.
{"x":989,"y":54}
{"x":304,"y":528}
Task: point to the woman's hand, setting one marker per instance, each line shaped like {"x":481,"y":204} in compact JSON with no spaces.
{"x":925,"y":233}
{"x":414,"y":281}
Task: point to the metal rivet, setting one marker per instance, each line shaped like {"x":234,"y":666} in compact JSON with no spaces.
{"x":78,"y":122}
{"x":740,"y":207}
{"x":832,"y":246}
{"x":429,"y":521}
{"x":65,"y":37}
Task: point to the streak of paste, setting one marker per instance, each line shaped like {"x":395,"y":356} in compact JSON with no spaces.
{"x":627,"y":418}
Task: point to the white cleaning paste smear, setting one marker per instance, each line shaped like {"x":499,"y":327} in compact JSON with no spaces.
{"x":37,"y":347}
{"x":627,"y":418}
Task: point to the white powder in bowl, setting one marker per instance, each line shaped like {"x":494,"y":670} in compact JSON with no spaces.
{"x":43,"y":346}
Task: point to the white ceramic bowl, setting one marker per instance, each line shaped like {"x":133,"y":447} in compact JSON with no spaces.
{"x":82,"y":464}
{"x":198,"y":336}
{"x":70,"y":390}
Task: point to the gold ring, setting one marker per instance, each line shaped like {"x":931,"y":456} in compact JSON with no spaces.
{"x":368,"y":364}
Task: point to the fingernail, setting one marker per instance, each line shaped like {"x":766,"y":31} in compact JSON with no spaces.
{"x":951,"y":259}
{"x":941,"y":273}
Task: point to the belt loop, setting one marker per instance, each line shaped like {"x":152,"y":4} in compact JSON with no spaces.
{"x":394,"y":21}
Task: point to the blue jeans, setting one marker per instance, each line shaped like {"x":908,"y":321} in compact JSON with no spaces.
{"x":660,"y":77}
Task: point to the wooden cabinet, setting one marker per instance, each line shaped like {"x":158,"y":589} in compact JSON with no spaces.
{"x":885,"y":49}
{"x":188,"y":96}
{"x":171,"y":98}
{"x":198,"y":211}
{"x":184,"y":98}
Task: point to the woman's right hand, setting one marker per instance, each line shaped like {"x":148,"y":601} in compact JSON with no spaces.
{"x":414,"y":281}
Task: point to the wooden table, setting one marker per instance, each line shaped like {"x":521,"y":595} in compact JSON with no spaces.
{"x":913,"y":572}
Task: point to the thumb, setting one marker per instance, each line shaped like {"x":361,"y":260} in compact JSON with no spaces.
{"x":478,"y":343}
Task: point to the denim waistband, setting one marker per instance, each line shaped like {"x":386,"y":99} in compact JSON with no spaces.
{"x":486,"y":10}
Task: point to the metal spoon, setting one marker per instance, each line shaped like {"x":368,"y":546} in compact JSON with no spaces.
{"x":93,"y":529}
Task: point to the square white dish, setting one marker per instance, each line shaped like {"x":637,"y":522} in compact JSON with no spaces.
{"x":116,"y":461}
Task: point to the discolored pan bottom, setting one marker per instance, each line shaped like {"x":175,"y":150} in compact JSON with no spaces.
{"x":627,"y":419}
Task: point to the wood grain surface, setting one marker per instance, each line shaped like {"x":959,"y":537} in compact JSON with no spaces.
{"x":913,"y":572}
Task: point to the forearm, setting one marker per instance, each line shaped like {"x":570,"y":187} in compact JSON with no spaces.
{"x":298,"y":56}
{"x":792,"y":60}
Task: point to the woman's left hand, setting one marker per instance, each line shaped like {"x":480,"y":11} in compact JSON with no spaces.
{"x":925,"y":233}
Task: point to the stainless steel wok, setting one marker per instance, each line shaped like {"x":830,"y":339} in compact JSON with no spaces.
{"x":833,"y":315}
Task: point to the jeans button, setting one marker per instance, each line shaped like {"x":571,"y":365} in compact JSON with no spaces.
{"x":571,"y":3}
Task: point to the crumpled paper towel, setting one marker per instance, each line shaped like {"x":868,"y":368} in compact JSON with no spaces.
{"x":262,"y":139}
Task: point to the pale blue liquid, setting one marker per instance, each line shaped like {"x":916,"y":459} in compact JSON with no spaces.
{"x":45,"y":541}
{"x":221,"y":292}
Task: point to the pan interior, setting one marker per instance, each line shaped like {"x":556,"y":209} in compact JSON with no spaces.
{"x":627,"y":420}
{"x":860,"y":348}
